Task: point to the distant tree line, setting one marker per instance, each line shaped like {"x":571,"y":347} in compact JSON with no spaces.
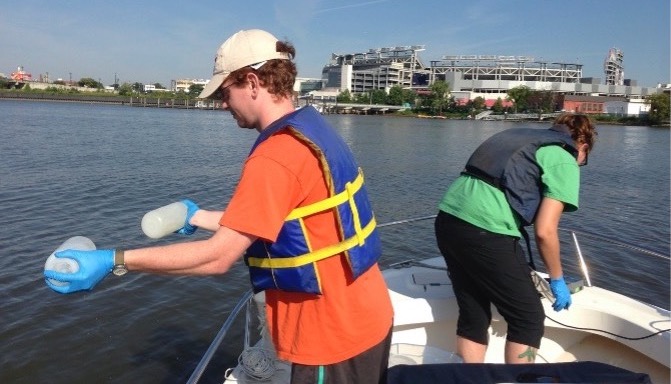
{"x":124,"y":89}
{"x":438,"y":102}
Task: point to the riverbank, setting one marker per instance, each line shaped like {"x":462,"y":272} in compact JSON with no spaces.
{"x":132,"y":101}
{"x":177,"y":103}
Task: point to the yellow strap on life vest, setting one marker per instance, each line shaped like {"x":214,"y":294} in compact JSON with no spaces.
{"x":297,"y":261}
{"x":331,"y":202}
{"x":346,"y":196}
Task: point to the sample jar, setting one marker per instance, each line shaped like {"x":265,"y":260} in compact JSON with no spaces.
{"x":165,"y":220}
{"x":66,"y":265}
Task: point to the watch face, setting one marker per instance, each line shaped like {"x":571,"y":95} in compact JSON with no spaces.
{"x":119,"y":270}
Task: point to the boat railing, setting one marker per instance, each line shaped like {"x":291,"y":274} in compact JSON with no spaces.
{"x":581,"y":233}
{"x":581,"y":259}
{"x":214,"y":345}
{"x":616,"y":242}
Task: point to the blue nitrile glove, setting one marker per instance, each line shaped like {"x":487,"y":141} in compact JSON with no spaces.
{"x":191,"y":209}
{"x":93,"y":267}
{"x":561,"y":293}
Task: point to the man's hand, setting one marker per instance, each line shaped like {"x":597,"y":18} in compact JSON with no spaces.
{"x":93,"y":267}
{"x":191,"y":209}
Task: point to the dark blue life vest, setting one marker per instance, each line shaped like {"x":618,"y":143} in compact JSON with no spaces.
{"x":507,"y":160}
{"x":290,"y":263}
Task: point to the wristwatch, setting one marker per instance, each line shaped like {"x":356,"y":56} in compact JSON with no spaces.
{"x":119,"y":268}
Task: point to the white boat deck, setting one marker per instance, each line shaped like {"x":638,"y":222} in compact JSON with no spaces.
{"x":426,"y":313}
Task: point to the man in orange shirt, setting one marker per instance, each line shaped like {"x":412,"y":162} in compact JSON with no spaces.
{"x":301,"y":218}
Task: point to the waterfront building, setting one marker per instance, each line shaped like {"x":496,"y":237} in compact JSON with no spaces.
{"x":20,"y":75}
{"x":184,"y":84}
{"x":613,"y":68}
{"x":492,"y":76}
{"x":631,"y":107}
{"x":470,"y":76}
{"x":377,"y":68}
{"x":304,"y":85}
{"x":604,"y":105}
{"x":587,"y":104}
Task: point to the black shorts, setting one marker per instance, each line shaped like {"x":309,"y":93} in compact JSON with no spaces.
{"x":488,"y":268}
{"x":369,"y":367}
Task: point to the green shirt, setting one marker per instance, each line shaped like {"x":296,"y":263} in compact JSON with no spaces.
{"x":485,"y":206}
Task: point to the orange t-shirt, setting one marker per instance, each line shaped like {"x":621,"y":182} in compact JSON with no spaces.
{"x":350,"y":316}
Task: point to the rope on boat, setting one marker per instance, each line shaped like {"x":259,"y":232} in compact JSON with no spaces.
{"x":415,"y":263}
{"x":406,"y":221}
{"x":609,"y":333}
{"x":257,"y":362}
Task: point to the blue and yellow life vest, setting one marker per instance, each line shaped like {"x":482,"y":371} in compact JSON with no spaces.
{"x":507,"y":160}
{"x":290,"y":263}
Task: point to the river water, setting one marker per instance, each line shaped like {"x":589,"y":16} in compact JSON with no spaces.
{"x":94,"y":170}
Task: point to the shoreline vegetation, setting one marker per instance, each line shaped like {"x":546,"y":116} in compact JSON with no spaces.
{"x":170,"y":100}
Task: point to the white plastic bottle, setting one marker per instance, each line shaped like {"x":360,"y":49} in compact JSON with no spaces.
{"x":65,"y":265}
{"x":165,"y":220}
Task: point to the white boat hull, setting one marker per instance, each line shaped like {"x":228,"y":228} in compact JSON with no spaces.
{"x":426,"y":314}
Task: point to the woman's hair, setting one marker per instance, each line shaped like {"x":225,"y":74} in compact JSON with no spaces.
{"x":278,"y":75}
{"x":581,"y":126}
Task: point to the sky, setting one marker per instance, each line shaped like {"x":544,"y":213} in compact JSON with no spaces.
{"x":156,"y":41}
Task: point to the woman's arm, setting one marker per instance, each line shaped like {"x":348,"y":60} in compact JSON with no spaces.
{"x":546,"y":228}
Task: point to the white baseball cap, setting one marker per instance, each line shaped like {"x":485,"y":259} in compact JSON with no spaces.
{"x":245,"y":48}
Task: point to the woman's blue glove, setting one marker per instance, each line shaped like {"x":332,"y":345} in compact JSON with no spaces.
{"x":561,"y":293}
{"x":93,"y":267}
{"x":191,"y":209}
